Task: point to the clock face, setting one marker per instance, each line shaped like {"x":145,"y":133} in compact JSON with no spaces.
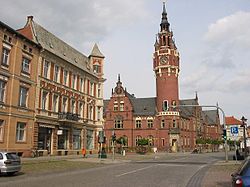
{"x":163,"y":60}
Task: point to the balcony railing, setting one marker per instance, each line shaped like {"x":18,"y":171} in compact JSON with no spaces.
{"x":68,"y":116}
{"x":174,"y":131}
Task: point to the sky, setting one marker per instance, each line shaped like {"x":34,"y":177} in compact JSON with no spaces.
{"x":212,"y":37}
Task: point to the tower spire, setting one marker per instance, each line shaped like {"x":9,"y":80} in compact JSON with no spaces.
{"x":164,"y":20}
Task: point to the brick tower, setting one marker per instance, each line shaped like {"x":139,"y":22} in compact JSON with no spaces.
{"x":166,"y":67}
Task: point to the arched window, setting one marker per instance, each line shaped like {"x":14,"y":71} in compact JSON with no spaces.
{"x":150,"y":140}
{"x":165,"y":105}
{"x":137,"y":138}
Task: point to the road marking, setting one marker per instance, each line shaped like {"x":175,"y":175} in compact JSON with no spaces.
{"x":134,"y":171}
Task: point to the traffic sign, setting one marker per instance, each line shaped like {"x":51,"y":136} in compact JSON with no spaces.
{"x":234,"y":130}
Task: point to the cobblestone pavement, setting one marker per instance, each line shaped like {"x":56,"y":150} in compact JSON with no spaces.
{"x":219,"y":174}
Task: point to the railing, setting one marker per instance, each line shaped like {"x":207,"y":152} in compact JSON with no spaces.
{"x":174,"y":131}
{"x":68,"y":116}
{"x":168,"y":113}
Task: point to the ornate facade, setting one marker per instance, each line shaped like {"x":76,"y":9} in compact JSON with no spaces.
{"x":65,"y":95}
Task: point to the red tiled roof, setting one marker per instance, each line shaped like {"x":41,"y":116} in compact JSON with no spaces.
{"x":232,"y":121}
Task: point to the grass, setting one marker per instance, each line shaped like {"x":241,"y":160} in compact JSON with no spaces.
{"x":51,"y":166}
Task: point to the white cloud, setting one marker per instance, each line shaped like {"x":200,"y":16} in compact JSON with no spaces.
{"x":225,"y":62}
{"x":233,"y":29}
{"x":77,"y":22}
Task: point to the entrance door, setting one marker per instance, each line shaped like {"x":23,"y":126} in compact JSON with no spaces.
{"x":174,"y":145}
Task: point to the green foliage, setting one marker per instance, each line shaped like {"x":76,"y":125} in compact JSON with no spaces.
{"x":122,"y":141}
{"x":143,"y":142}
{"x":208,"y":141}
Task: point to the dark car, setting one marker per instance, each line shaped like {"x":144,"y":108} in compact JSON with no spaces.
{"x":241,"y":178}
{"x":10,"y":163}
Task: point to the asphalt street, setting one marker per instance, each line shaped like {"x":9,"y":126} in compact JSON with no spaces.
{"x":187,"y":170}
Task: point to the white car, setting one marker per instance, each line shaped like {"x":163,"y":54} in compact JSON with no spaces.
{"x":10,"y":163}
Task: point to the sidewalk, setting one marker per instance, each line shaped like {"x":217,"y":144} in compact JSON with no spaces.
{"x":219,"y":174}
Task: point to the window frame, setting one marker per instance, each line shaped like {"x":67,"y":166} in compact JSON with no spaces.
{"x":2,"y":124}
{"x":21,"y":137}
{"x":55,"y":107}
{"x":65,"y":77}
{"x":46,"y":67}
{"x":5,"y":57}
{"x":57,"y":73}
{"x":26,"y":63}
{"x":138,"y":123}
{"x":21,"y":96}
{"x":3,"y":91}
{"x":44,"y":103}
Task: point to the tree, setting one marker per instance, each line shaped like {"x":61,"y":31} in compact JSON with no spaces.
{"x":142,"y":142}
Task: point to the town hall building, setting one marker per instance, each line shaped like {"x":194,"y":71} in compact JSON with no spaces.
{"x":164,"y":120}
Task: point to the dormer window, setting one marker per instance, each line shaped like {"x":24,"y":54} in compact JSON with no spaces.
{"x":97,"y":68}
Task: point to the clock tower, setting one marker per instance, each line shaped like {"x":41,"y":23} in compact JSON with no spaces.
{"x":166,"y":68}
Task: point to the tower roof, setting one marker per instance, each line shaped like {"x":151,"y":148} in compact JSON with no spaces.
{"x":96,"y":52}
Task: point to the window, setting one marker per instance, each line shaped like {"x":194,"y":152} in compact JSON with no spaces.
{"x":138,"y":124}
{"x":162,"y":123}
{"x":46,"y":69}
{"x":76,"y":139}
{"x":82,"y":85}
{"x":137,"y":138}
{"x":165,"y":105}
{"x":55,"y":103}
{"x":73,"y":106}
{"x":162,"y":142}
{"x":118,"y":124}
{"x":45,"y":100}
{"x":2,"y":91}
{"x":80,"y":109}
{"x":174,"y":123}
{"x":65,"y":77}
{"x":97,"y":69}
{"x":99,"y":113}
{"x":56,"y":73}
{"x":74,"y":81}
{"x":115,"y":106}
{"x":150,"y":123}
{"x":1,"y":129}
{"x":150,"y":140}
{"x":64,"y":105}
{"x":5,"y":57}
{"x":99,"y":91}
{"x":121,"y":106}
{"x":91,"y":112}
{"x":20,"y":132}
{"x":23,"y":96}
{"x":26,"y":65}
{"x":92,"y":89}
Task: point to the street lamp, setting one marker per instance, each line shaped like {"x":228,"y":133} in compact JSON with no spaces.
{"x":243,"y":119}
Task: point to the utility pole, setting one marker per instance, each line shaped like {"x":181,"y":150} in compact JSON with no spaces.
{"x":243,"y":119}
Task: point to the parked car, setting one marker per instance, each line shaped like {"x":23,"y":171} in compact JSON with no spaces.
{"x":10,"y":163}
{"x":241,"y":178}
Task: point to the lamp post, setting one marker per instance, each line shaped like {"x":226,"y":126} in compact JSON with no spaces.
{"x":243,"y":119}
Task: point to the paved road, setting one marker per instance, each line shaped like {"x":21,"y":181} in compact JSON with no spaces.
{"x":182,"y":171}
